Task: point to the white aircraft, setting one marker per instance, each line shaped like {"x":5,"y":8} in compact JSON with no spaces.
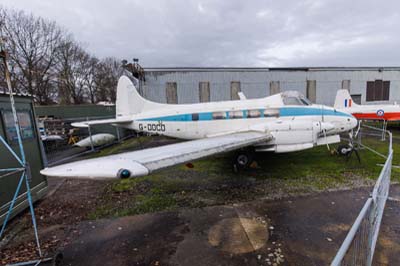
{"x":283,"y":122}
{"x":385,"y":112}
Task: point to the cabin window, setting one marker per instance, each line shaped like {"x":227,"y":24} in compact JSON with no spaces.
{"x":253,"y":113}
{"x":219,"y":115}
{"x":195,"y":117}
{"x":271,"y":113}
{"x":236,"y":114}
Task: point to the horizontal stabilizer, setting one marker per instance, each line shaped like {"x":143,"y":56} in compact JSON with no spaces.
{"x":143,"y":162}
{"x":102,"y":122}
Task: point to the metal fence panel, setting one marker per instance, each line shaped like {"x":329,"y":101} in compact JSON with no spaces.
{"x":359,"y":245}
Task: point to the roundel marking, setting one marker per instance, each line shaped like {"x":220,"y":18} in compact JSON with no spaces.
{"x":380,"y":112}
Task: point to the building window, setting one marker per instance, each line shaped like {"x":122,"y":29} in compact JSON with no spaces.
{"x":312,"y":90}
{"x":235,"y":89}
{"x":219,"y":115}
{"x":346,"y":84}
{"x":378,"y":90}
{"x":25,"y":123}
{"x":271,"y":113}
{"x":253,"y":113}
{"x":356,"y":98}
{"x":204,"y":91}
{"x":235,"y":114}
{"x":172,"y":92}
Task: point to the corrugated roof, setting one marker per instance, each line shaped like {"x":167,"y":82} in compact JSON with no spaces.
{"x":2,"y":92}
{"x":263,"y":69}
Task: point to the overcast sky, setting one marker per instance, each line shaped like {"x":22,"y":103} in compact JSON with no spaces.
{"x":280,"y":33}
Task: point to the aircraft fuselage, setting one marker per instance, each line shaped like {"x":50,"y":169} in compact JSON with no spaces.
{"x":293,"y":127}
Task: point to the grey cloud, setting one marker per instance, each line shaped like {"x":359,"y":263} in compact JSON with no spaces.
{"x":231,"y":33}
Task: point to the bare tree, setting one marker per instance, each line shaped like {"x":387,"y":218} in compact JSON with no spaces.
{"x":11,"y":64}
{"x":76,"y":71}
{"x":46,"y":62}
{"x":90,"y":82}
{"x":106,"y":78}
{"x":32,"y":44}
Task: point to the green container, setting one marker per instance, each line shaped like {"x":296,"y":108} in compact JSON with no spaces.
{"x":33,"y":150}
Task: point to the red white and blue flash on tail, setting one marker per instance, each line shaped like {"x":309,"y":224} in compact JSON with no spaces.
{"x":347,"y":103}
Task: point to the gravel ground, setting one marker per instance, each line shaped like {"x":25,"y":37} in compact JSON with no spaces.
{"x":62,"y":214}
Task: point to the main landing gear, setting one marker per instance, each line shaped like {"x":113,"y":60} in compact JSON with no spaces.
{"x":243,"y":159}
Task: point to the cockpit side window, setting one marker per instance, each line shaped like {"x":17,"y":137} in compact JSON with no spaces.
{"x":294,"y":98}
{"x":306,"y":101}
{"x":292,"y":101}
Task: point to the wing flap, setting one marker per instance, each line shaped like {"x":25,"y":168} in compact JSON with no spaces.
{"x":143,"y":162}
{"x":195,"y":149}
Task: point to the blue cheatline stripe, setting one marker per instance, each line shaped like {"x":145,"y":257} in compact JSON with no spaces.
{"x":284,"y":111}
{"x":205,"y":116}
{"x":300,"y":111}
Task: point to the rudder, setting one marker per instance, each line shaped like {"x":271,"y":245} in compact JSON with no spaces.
{"x":343,"y":100}
{"x":129,"y":101}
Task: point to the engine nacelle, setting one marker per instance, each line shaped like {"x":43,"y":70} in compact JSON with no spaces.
{"x":307,"y":134}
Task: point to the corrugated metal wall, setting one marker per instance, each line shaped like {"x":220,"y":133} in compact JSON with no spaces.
{"x":256,"y":83}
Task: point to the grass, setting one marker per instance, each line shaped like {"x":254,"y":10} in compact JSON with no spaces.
{"x":124,"y":146}
{"x":211,"y":181}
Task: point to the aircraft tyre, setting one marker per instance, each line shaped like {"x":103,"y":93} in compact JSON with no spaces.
{"x":242,"y":160}
{"x":343,"y":150}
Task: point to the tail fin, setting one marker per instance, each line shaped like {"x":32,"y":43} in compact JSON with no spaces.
{"x":344,"y":100}
{"x":129,"y":101}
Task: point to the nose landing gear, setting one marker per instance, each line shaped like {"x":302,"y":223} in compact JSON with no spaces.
{"x":348,"y":149}
{"x":344,"y":149}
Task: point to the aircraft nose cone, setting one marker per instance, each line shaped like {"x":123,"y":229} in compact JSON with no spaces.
{"x":353,"y":122}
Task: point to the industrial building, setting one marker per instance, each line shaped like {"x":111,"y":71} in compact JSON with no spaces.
{"x":367,"y":85}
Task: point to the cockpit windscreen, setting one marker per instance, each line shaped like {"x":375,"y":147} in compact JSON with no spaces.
{"x":294,"y":98}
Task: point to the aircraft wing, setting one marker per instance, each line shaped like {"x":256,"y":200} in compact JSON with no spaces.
{"x":144,"y":162}
{"x":102,"y":122}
